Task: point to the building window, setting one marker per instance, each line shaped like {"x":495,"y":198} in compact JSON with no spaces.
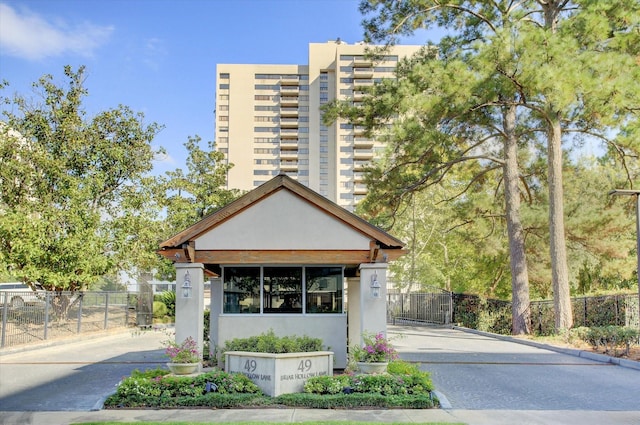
{"x":224,"y":129}
{"x":224,"y":97}
{"x":223,"y":107}
{"x":223,"y":118}
{"x":265,"y":129}
{"x":323,"y":289}
{"x":286,"y":289}
{"x":262,"y":118}
{"x":267,"y":76}
{"x":266,"y":108}
{"x":224,"y":86}
{"x":266,"y":87}
{"x":241,"y":290}
{"x":224,"y":75}
{"x":282,"y":289}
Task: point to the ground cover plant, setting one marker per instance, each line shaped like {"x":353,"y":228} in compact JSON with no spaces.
{"x":405,"y":386}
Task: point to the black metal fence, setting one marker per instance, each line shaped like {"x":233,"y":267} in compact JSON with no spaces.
{"x":434,"y":307}
{"x":44,"y":315}
{"x":441,"y":307}
{"x":495,"y":315}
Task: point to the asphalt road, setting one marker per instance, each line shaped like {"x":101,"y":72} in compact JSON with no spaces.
{"x":76,"y":375}
{"x":478,"y":372}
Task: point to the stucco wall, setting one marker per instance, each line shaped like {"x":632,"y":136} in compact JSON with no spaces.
{"x":332,"y":329}
{"x":283,"y":221}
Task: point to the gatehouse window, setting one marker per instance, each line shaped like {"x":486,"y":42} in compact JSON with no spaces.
{"x":324,"y":289}
{"x":241,"y":290}
{"x":283,"y":289}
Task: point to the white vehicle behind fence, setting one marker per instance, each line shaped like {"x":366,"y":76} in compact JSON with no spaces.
{"x":16,"y":295}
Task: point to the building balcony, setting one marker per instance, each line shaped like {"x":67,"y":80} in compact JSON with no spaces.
{"x":363,"y":154}
{"x":288,"y":100}
{"x":360,"y":189}
{"x":358,"y":95}
{"x":289,"y":153}
{"x":358,"y":177}
{"x":289,"y":123}
{"x":289,"y":90}
{"x":362,"y":143}
{"x":359,"y":129}
{"x":360,"y":165}
{"x":361,"y":82}
{"x":289,"y":165}
{"x":291,"y":143}
{"x":288,"y":133}
{"x":361,"y":72}
{"x":361,"y":63}
{"x":290,"y":80}
{"x":289,"y":112}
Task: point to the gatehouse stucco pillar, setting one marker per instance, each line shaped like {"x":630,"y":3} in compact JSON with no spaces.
{"x":372,"y":315}
{"x":190,"y":310}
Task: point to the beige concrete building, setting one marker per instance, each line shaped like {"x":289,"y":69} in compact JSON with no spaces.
{"x":268,"y":120}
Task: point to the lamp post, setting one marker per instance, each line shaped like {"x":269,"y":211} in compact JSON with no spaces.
{"x":636,"y":193}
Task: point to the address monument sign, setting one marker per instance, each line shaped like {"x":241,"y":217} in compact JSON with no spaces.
{"x":277,"y":374}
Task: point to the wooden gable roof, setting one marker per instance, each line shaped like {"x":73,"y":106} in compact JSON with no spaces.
{"x":182,"y":247}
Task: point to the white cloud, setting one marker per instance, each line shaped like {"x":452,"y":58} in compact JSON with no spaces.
{"x":28,"y":35}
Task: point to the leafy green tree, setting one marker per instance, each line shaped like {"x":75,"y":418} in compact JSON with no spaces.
{"x":187,"y":197}
{"x":73,"y":204}
{"x":558,"y":57}
{"x":191,"y":196}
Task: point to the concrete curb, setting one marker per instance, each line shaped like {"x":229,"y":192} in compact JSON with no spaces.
{"x":602,"y":358}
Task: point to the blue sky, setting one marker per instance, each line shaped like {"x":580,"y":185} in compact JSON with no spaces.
{"x":159,"y":56}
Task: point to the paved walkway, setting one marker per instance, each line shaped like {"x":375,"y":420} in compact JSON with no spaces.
{"x":482,"y":380}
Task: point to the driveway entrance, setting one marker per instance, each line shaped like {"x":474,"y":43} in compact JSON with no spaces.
{"x":479,"y":372}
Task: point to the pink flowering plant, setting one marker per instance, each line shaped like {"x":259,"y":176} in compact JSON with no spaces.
{"x":186,"y":352}
{"x":376,"y":349}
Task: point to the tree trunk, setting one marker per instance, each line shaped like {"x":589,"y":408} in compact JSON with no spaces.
{"x":520,"y":305}
{"x":559,"y":271}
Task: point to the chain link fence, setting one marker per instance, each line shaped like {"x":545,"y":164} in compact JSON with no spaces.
{"x":44,"y":315}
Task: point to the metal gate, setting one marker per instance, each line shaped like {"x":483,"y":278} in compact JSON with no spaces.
{"x":434,"y":306}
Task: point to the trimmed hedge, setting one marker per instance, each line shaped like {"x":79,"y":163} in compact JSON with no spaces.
{"x":270,"y":343}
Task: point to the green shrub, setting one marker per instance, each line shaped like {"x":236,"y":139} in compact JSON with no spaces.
{"x":157,"y":388}
{"x":168,"y":298}
{"x":270,"y":343}
{"x":612,"y":338}
{"x":159,"y":309}
{"x":402,"y":379}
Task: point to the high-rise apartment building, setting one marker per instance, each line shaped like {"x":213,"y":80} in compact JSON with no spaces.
{"x":268,"y":119}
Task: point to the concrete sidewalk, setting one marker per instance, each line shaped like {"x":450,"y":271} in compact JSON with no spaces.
{"x":471,"y":417}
